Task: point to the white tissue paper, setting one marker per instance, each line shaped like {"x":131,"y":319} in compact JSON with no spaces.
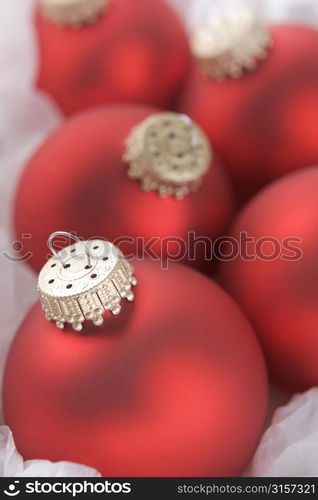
{"x":26,"y":118}
{"x":196,"y":12}
{"x":290,"y":446}
{"x":12,"y":464}
{"x":18,"y":61}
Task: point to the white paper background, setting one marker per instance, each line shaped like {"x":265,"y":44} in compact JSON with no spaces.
{"x":290,"y":446}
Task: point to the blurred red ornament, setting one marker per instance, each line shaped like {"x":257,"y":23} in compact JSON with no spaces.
{"x":174,"y":386}
{"x":136,"y":51}
{"x":275,"y":279}
{"x":78,"y":180}
{"x":265,"y":122}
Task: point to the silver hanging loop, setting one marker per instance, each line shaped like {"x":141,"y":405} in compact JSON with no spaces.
{"x":194,"y":132}
{"x":69,"y":235}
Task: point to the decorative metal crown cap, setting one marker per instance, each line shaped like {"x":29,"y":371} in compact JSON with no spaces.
{"x":83,"y":280}
{"x":73,"y":12}
{"x":230,"y":44}
{"x":168,"y":153}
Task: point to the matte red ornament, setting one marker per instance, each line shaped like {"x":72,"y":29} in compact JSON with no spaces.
{"x":78,"y":180}
{"x":136,"y":51}
{"x":264,"y":123}
{"x":275,"y":279}
{"x":174,"y":386}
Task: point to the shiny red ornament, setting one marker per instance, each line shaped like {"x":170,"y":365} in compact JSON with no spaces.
{"x":78,"y":180}
{"x":174,"y":386}
{"x":265,"y":123}
{"x":275,"y":278}
{"x":136,"y":51}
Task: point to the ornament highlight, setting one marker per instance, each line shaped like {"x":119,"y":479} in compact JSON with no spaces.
{"x":264,"y":124}
{"x":84,"y":280}
{"x":274,"y":276}
{"x":169,"y":154}
{"x":137,"y":51}
{"x":85,"y":188}
{"x":174,"y":386}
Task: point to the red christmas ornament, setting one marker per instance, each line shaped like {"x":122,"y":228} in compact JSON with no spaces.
{"x":130,"y":52}
{"x":174,"y":386}
{"x":275,"y":277}
{"x":264,"y":122}
{"x":78,"y":179}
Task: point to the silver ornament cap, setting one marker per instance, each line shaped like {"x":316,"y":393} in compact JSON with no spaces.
{"x":73,"y":12}
{"x":231,"y":43}
{"x":168,"y":153}
{"x":83,"y":280}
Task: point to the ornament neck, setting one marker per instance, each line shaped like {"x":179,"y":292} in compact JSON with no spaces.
{"x":73,"y":13}
{"x":82,"y":281}
{"x":168,"y":153}
{"x":231,"y":44}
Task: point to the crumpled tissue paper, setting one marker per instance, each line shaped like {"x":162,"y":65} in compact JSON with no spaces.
{"x":289,"y":447}
{"x":26,"y":118}
{"x":196,"y":12}
{"x":12,"y":464}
